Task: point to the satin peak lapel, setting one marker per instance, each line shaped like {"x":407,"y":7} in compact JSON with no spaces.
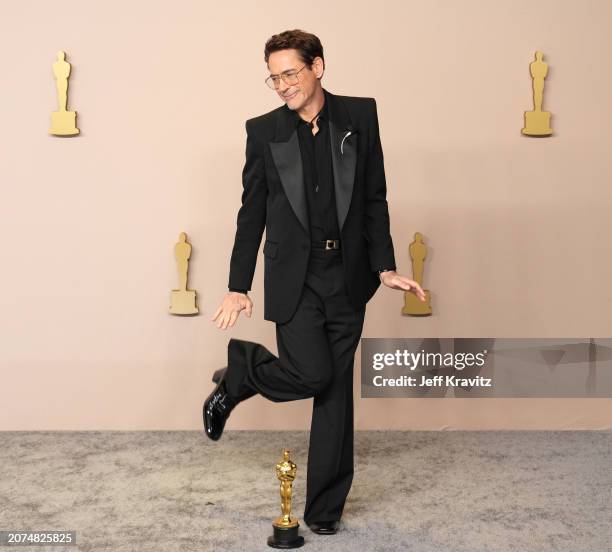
{"x":288,"y":161}
{"x":344,"y":161}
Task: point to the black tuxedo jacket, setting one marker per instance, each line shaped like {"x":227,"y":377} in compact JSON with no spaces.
{"x":274,"y":197}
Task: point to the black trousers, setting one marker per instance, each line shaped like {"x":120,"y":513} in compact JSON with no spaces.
{"x":316,"y":349}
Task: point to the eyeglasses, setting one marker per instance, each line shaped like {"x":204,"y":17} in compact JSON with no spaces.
{"x":290,"y":77}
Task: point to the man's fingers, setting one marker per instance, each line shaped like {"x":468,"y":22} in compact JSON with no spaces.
{"x":407,"y":284}
{"x":217,"y":312}
{"x":418,"y":288}
{"x":411,"y":284}
{"x":419,"y":291}
{"x":233,"y":318}
{"x":226,"y":320}
{"x":248,"y":310}
{"x":220,"y":321}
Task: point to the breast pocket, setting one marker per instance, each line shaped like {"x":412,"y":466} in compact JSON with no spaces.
{"x":270,"y":249}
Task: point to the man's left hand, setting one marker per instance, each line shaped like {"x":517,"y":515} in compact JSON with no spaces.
{"x":395,"y":281}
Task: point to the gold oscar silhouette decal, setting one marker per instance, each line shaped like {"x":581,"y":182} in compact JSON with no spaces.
{"x":285,"y":526}
{"x":537,"y":122}
{"x":63,"y":123}
{"x":183,"y":299}
{"x":412,"y":304}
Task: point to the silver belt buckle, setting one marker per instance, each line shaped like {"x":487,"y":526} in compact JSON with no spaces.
{"x":331,"y":244}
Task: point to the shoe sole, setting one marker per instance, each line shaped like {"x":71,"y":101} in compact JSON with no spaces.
{"x":325,"y":531}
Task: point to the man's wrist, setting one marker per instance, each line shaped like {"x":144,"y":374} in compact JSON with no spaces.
{"x":239,"y":290}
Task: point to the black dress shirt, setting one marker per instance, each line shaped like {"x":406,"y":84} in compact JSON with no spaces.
{"x":318,"y":176}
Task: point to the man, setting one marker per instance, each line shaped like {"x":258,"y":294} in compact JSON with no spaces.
{"x":314,"y":178}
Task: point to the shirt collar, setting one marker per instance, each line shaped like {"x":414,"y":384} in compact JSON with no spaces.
{"x":322,"y":115}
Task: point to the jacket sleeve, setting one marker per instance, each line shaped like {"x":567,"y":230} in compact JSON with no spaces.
{"x":380,"y":244}
{"x":251,"y":218}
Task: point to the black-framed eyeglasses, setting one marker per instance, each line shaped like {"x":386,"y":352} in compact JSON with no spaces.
{"x":290,"y":77}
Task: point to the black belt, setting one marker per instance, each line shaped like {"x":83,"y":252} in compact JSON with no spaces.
{"x":326,"y":244}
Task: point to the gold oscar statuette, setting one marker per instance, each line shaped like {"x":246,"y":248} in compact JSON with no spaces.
{"x":63,"y":123}
{"x":537,"y":122}
{"x":183,"y":300}
{"x":413,"y":306}
{"x":285,"y":526}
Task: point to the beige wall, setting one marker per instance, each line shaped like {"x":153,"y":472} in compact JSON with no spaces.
{"x":518,"y":228}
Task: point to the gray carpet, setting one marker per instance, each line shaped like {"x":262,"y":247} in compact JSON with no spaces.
{"x":416,"y":491}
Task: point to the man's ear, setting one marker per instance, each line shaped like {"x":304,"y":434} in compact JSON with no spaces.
{"x":322,"y":67}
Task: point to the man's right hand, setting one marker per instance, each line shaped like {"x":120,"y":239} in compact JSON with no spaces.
{"x":230,"y":308}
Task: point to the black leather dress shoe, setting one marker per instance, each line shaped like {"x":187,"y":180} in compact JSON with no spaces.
{"x":324,"y":527}
{"x":219,"y":374}
{"x":216,"y":410}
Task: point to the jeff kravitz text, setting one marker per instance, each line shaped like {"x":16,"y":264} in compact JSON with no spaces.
{"x":435,"y":381}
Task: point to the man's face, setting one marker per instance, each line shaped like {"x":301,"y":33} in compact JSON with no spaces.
{"x":295,"y":95}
